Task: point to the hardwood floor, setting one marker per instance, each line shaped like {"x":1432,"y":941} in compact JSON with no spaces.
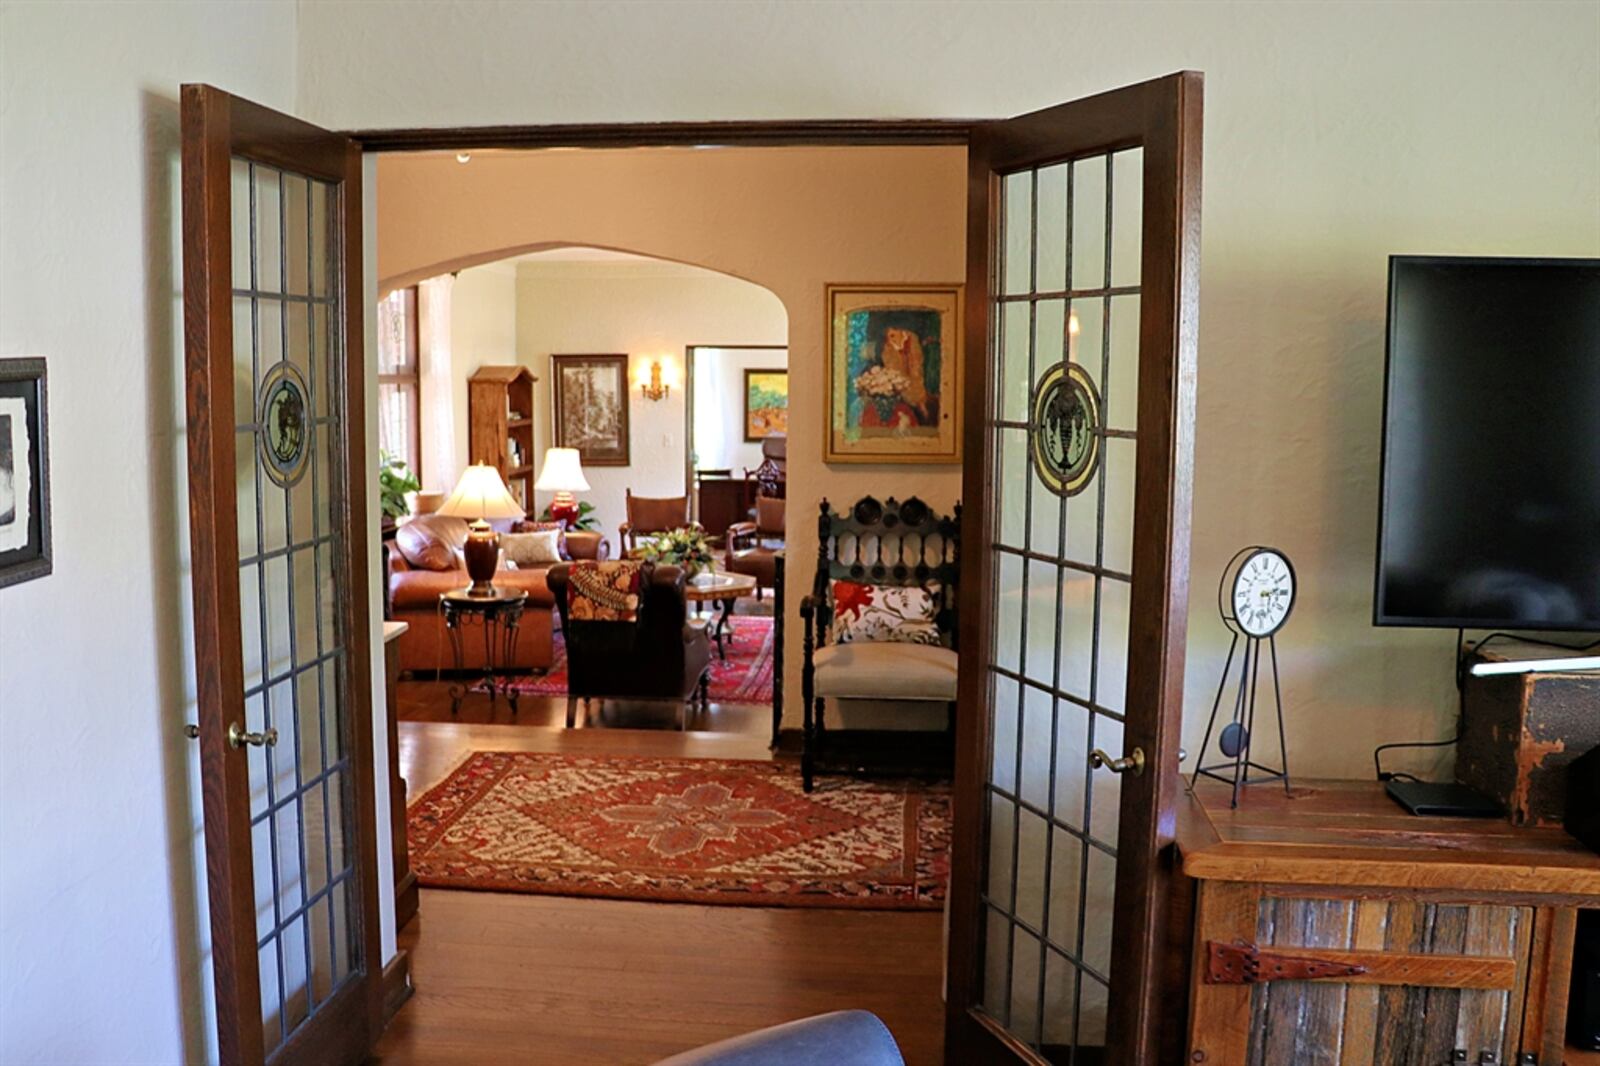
{"x":505,"y":978}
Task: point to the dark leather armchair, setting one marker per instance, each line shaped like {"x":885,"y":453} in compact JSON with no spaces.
{"x":753,"y":547}
{"x":843,"y":1038}
{"x":659,"y":656}
{"x":650,"y":515}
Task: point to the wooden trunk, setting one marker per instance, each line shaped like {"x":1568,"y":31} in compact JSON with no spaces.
{"x":1520,"y":732}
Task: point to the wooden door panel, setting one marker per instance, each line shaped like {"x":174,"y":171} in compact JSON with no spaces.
{"x":1082,"y":257}
{"x":1439,"y":977}
{"x":274,"y":373}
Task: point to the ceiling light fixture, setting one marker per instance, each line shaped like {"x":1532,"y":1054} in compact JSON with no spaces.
{"x":463,"y":157}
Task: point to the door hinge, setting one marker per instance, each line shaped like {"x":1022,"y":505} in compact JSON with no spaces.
{"x":1242,"y":963}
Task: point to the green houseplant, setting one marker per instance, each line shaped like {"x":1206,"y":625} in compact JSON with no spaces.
{"x":395,"y":479}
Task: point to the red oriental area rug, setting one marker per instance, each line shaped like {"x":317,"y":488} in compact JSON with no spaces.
{"x":745,"y":678}
{"x":681,"y":830}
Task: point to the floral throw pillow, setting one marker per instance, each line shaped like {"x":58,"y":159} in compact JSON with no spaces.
{"x":884,"y":614}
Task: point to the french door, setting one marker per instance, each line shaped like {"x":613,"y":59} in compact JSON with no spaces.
{"x":277,"y":468}
{"x":1083,"y":245}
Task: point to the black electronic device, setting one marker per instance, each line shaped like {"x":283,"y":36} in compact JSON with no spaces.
{"x":1448,"y":799}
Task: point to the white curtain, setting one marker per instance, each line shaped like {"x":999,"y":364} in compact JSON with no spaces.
{"x":711,"y":400}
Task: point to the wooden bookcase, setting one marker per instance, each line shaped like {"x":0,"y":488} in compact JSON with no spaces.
{"x":500,"y":425}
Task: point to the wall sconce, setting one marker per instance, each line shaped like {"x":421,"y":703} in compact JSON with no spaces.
{"x":654,"y":389}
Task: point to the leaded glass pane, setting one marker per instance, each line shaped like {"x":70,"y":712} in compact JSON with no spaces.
{"x":1063,"y":435}
{"x":287,"y":366}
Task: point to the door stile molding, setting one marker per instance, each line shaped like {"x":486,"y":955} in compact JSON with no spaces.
{"x":214,"y":554}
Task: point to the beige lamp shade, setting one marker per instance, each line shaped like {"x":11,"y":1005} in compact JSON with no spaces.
{"x":562,"y":472}
{"x":481,"y":493}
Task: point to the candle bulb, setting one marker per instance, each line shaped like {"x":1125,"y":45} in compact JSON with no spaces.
{"x":1072,"y":337}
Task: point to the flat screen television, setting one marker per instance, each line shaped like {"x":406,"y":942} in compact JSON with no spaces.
{"x":1490,"y":509}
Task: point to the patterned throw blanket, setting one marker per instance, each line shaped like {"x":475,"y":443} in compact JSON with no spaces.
{"x":605,"y":591}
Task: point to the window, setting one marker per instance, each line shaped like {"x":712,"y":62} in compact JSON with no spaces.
{"x":399,"y":394}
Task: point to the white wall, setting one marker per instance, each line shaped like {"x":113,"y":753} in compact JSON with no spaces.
{"x":718,"y":440}
{"x":647,"y":310}
{"x":102,"y":916}
{"x":483,"y":332}
{"x":1336,"y":133}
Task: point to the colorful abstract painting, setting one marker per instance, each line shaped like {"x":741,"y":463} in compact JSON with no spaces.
{"x":894,"y":369}
{"x":766,"y":403}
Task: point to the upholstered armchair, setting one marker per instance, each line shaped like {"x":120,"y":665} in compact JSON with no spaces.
{"x":656,"y":656}
{"x":753,"y":546}
{"x":876,"y":547}
{"x":649,"y":516}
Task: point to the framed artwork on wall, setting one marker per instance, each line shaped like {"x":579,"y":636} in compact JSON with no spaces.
{"x":894,"y":374}
{"x":591,"y":398}
{"x":766,"y":403}
{"x":24,"y":472}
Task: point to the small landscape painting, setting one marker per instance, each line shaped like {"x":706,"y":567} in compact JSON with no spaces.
{"x":894,"y":372}
{"x":766,"y":403}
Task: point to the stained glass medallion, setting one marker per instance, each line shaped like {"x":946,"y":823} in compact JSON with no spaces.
{"x":1065,"y":429}
{"x":283,"y":425}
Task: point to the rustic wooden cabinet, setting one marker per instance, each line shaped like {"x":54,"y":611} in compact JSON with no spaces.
{"x":1330,"y":927}
{"x":500,"y":425}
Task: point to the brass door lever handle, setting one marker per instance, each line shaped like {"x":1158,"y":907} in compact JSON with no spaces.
{"x":238,"y":738}
{"x":1133,"y":761}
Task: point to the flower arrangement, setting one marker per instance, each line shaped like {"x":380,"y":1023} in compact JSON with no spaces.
{"x":686,"y":547}
{"x":884,"y":391}
{"x":881,"y":382}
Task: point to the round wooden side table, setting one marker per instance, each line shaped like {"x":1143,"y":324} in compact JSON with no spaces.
{"x":722,"y":589}
{"x":498,"y":616}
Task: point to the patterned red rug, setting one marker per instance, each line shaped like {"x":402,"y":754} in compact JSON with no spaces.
{"x":745,"y":678}
{"x":681,"y":830}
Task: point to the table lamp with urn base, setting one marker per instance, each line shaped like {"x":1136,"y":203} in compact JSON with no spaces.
{"x":562,"y":475}
{"x":480,"y":495}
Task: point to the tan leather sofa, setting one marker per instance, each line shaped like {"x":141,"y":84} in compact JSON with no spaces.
{"x":426,"y":561}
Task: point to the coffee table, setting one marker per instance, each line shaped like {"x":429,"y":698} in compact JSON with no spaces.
{"x":721,"y":589}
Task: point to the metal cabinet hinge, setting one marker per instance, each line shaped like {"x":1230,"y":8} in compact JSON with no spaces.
{"x":1242,"y":963}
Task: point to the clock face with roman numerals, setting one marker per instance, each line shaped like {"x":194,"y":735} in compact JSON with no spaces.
{"x":1263,"y":592}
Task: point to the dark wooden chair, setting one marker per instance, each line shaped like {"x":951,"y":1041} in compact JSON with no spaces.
{"x":888,"y":543}
{"x":771,"y":477}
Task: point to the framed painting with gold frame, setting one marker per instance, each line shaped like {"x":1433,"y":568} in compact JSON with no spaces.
{"x":893,"y":374}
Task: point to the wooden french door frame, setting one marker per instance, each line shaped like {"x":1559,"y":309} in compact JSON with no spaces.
{"x":216,"y":127}
{"x":1163,"y":117}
